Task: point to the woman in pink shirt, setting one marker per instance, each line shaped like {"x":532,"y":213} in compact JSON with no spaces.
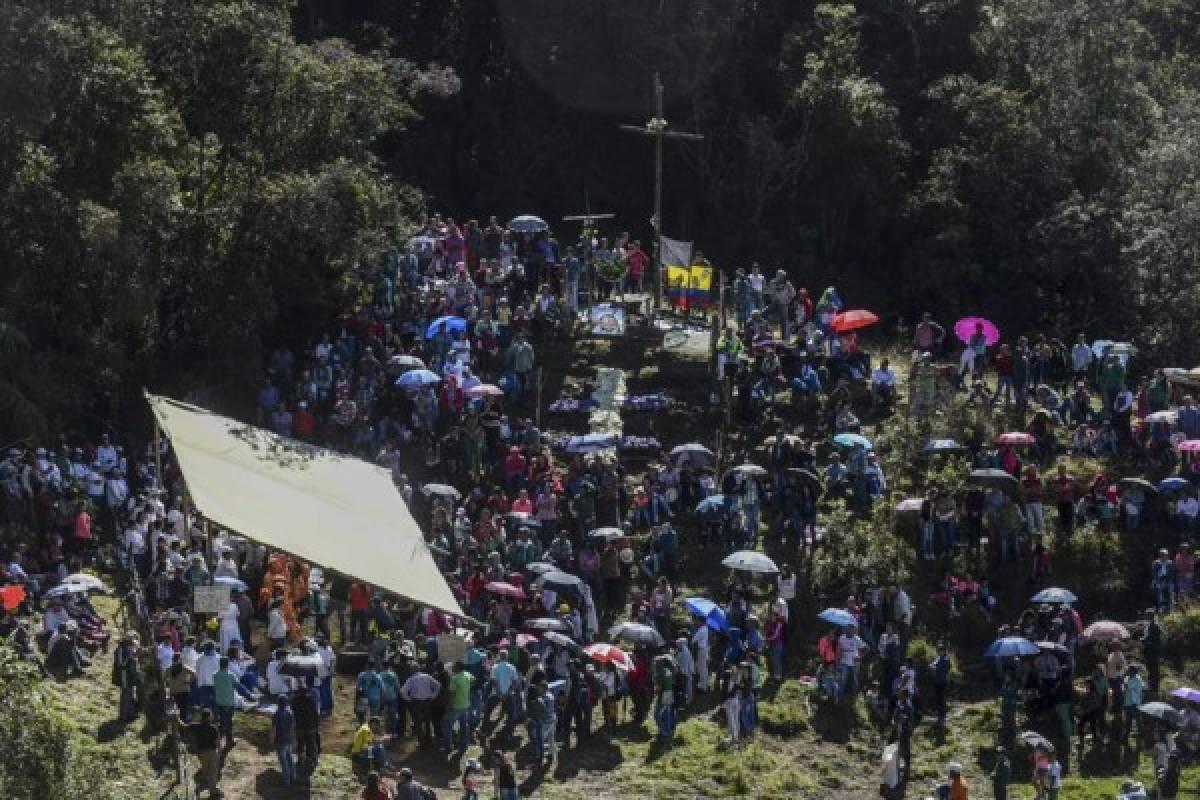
{"x":523,"y":504}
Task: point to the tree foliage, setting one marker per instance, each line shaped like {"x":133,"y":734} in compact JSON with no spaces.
{"x":187,"y":182}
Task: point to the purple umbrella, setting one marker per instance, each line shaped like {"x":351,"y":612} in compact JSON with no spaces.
{"x":1186,"y":693}
{"x":965,"y":328}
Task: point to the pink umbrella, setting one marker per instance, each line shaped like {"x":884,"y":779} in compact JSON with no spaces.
{"x":507,"y":589}
{"x":522,"y":640}
{"x":965,"y":328}
{"x":1106,"y":631}
{"x":608,"y":654}
{"x":1015,"y":437}
{"x":1190,"y":446}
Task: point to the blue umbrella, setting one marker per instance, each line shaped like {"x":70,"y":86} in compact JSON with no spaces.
{"x":713,"y":503}
{"x":1054,"y":595}
{"x":713,"y":614}
{"x":941,"y":446}
{"x":452,"y":324}
{"x":527,"y":223}
{"x":851,"y":440}
{"x":1173,"y":485}
{"x":591,"y":442}
{"x":838,"y":616}
{"x":416,"y":378}
{"x":1011,"y":646}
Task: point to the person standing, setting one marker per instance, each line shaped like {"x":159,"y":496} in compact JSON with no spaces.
{"x":308,"y":721}
{"x":458,"y":709}
{"x":225,"y":697}
{"x":207,"y":741}
{"x":283,"y":735}
{"x":1152,"y":652}
{"x":940,"y":667}
{"x":1001,"y":775}
{"x":128,"y":674}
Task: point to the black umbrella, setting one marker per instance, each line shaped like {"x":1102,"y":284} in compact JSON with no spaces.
{"x":1035,"y":739}
{"x":995,"y":479}
{"x":560,"y":580}
{"x":1140,"y":483}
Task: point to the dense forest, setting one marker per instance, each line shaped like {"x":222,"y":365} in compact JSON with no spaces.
{"x":185,"y":183}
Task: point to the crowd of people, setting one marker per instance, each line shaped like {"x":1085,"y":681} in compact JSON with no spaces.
{"x":568,"y":565}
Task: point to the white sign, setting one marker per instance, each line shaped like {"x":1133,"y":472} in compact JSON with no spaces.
{"x":210,"y":599}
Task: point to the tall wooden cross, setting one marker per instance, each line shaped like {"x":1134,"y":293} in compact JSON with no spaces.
{"x":657,"y":127}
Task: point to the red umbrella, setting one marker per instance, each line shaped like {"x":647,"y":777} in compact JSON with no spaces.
{"x":12,"y":596}
{"x":853,"y":320}
{"x":506,"y":589}
{"x":1015,"y":437}
{"x":609,"y":654}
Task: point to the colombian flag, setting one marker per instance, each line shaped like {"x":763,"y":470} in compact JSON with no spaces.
{"x":689,"y":285}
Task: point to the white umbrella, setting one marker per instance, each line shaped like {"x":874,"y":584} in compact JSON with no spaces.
{"x":231,"y":582}
{"x":86,"y":580}
{"x":64,"y":589}
{"x":750,"y":470}
{"x":440,"y":490}
{"x":485,"y":389}
{"x":407,"y":362}
{"x":693,"y":450}
{"x":750,"y":561}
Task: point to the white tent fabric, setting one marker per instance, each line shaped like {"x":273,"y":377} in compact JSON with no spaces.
{"x":337,"y":511}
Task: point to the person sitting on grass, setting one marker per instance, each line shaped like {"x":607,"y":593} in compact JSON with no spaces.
{"x":367,"y":750}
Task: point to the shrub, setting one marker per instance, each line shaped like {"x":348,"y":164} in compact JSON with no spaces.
{"x":1182,"y":632}
{"x":39,"y":759}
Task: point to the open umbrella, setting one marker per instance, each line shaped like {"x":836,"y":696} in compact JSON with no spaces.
{"x":694,"y":452}
{"x":966,"y":327}
{"x":64,"y":589}
{"x":506,"y":589}
{"x":636,"y":633}
{"x":560,"y":580}
{"x":910,"y":505}
{"x":1189,"y":446}
{"x":591,"y":442}
{"x":540,"y":567}
{"x":485,"y":390}
{"x":609,"y":654}
{"x":750,"y":561}
{"x":1036,"y":740}
{"x":750,"y":470}
{"x":1160,"y":711}
{"x":806,"y":475}
{"x":1187,"y":693}
{"x":85,"y":579}
{"x":416,"y":378}
{"x":231,"y":582}
{"x":560,"y":639}
{"x":1015,"y":437}
{"x":714,"y":503}
{"x":441,"y":490}
{"x":994,"y":479}
{"x":519,"y":518}
{"x":527,"y":223}
{"x":607,"y":534}
{"x":1053,"y":647}
{"x":1106,"y":631}
{"x":852,"y":440}
{"x":1011,"y":646}
{"x":12,"y":596}
{"x":1054,"y":596}
{"x":838,"y":616}
{"x":1169,"y":417}
{"x":301,"y":665}
{"x":1139,"y":483}
{"x":853,"y":320}
{"x":942,"y":446}
{"x":406,"y":362}
{"x":451,"y":324}
{"x":1122,"y":350}
{"x":712,"y":613}
{"x":522,"y":640}
{"x":546,"y":624}
{"x":1173,"y":485}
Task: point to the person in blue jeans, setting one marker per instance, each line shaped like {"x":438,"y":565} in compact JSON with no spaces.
{"x":283,"y":734}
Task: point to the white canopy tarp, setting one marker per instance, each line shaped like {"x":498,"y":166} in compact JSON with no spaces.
{"x":322,"y":506}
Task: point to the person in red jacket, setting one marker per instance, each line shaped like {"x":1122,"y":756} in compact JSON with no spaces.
{"x":360,"y":607}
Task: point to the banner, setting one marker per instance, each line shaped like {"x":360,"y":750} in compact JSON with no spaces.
{"x":210,"y":599}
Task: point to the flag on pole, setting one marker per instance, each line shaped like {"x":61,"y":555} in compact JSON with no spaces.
{"x":689,"y":283}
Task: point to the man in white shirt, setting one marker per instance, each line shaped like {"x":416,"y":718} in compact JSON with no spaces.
{"x":883,"y":383}
{"x":175,"y":521}
{"x":206,"y":669}
{"x":849,"y":650}
{"x":106,"y":454}
{"x":278,"y":684}
{"x":1081,"y":358}
{"x":902,"y":614}
{"x":700,"y":657}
